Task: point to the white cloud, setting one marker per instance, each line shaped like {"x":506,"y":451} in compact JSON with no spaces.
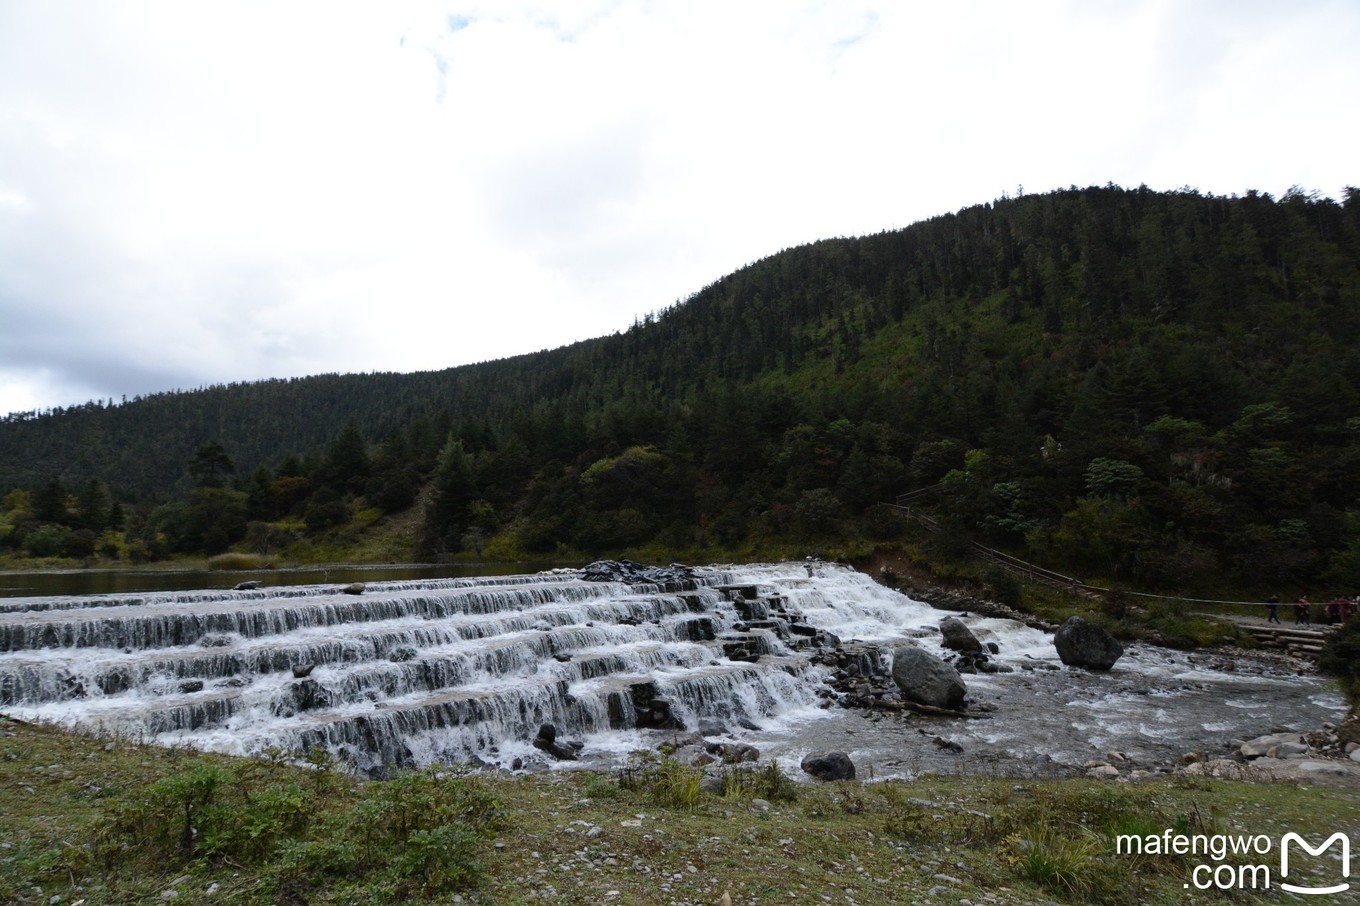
{"x":194,"y":193}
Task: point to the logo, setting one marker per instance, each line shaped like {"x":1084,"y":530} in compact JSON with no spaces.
{"x":1345,"y":862}
{"x":1220,"y":867}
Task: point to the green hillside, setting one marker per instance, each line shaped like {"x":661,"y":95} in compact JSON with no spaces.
{"x":1159,"y":388}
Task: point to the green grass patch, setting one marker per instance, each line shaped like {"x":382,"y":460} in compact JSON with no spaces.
{"x":117,"y":823}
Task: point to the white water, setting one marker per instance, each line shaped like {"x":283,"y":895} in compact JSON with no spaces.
{"x":461,"y":669}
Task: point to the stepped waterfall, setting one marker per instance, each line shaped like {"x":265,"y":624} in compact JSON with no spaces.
{"x":411,"y":673}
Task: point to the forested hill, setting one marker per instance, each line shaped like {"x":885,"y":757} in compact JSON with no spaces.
{"x":1161,"y":386}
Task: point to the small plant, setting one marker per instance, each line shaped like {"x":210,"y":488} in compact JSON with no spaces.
{"x":768,"y":782}
{"x":667,"y":781}
{"x":1067,"y":866}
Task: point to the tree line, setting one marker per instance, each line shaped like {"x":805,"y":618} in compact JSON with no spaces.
{"x":1158,"y":388}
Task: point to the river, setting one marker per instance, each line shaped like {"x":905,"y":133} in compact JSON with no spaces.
{"x":418,"y":670}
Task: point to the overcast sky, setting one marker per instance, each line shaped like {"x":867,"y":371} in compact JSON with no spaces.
{"x":196,"y":193}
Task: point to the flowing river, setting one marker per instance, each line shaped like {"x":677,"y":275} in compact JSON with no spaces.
{"x":415,"y":672}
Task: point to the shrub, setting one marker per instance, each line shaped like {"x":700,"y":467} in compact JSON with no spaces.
{"x":1340,"y":657}
{"x":236,"y":562}
{"x":1005,"y":588}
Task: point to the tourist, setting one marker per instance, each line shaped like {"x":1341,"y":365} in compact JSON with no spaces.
{"x":1303,"y":612}
{"x":1273,"y":609}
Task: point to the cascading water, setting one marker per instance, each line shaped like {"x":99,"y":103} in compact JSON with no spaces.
{"x":469,"y":670}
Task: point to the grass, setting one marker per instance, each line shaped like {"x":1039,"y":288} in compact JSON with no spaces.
{"x":111,"y":822}
{"x":234,"y":561}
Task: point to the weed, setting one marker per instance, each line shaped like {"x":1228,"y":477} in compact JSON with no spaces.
{"x":1070,"y":867}
{"x":768,"y":782}
{"x":667,"y":781}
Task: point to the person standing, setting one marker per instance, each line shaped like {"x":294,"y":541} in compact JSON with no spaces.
{"x":1273,"y":609}
{"x":1303,"y":612}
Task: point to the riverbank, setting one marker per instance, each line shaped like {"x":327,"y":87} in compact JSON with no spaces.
{"x":99,"y":821}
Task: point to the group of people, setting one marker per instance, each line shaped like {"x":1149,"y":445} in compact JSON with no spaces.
{"x":1338,"y":610}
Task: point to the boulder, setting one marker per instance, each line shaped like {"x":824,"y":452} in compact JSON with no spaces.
{"x":356,"y":588}
{"x":1083,"y":644}
{"x":546,"y":741}
{"x":958,"y":637}
{"x":829,"y":766}
{"x":927,"y":680}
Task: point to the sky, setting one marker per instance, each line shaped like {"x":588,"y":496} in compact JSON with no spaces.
{"x":211,"y":192}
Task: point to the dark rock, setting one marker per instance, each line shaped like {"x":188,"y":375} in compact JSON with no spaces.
{"x":958,"y":637}
{"x":1084,"y":644}
{"x":357,"y":588}
{"x":546,"y":741}
{"x":925,"y":679}
{"x":195,"y":685}
{"x":675,"y":577}
{"x":246,"y":586}
{"x":401,"y":654}
{"x":733,"y":752}
{"x":829,"y":766}
{"x":947,"y":745}
{"x":302,"y":671}
{"x":308,"y":695}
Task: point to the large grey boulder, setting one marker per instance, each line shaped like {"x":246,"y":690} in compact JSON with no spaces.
{"x":958,"y":637}
{"x":829,"y":766}
{"x":926,"y":680}
{"x":1083,"y":644}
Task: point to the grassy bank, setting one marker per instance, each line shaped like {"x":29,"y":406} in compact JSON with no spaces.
{"x":111,"y":822}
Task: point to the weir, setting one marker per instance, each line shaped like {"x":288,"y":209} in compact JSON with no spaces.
{"x":407,"y":672}
{"x":470,"y":670}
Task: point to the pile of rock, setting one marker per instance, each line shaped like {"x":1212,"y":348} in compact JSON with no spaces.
{"x":950,"y":600}
{"x":675,"y":577}
{"x":973,"y":655}
{"x":861,"y":677}
{"x":1293,"y":745}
